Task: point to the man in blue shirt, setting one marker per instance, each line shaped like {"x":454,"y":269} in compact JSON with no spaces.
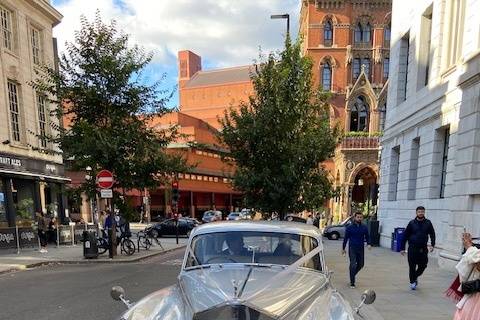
{"x":356,"y":235}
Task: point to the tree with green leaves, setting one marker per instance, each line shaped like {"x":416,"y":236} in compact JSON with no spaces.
{"x":280,"y":137}
{"x":101,"y":90}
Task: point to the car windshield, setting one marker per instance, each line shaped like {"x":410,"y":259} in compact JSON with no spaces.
{"x":208,"y":213}
{"x":234,"y":214}
{"x":270,"y":248}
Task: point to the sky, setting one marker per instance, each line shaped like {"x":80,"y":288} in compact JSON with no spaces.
{"x":224,"y":33}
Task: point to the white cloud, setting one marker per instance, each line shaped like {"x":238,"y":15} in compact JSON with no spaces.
{"x":224,"y":32}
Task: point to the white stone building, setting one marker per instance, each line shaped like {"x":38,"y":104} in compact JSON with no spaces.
{"x":431,"y":145}
{"x":30,"y":179}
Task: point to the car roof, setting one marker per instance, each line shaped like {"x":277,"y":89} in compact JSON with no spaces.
{"x":266,"y":226}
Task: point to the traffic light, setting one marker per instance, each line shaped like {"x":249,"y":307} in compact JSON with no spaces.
{"x":175,"y":191}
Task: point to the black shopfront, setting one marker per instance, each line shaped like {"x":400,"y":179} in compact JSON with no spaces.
{"x":29,"y":185}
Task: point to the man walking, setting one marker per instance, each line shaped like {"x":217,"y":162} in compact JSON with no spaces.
{"x":356,"y":234}
{"x":417,"y":232}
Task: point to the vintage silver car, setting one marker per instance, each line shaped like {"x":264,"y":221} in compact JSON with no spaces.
{"x":248,"y":270}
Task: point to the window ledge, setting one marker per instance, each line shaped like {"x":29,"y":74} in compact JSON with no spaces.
{"x":19,"y":146}
{"x":11,"y":53}
{"x":448,"y":71}
{"x":471,"y":56}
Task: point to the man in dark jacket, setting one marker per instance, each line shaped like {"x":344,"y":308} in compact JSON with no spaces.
{"x":417,"y":232}
{"x":356,"y":234}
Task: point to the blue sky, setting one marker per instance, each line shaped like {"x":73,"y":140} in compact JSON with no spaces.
{"x":223,"y":32}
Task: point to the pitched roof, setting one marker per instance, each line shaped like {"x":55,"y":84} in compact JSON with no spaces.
{"x":220,"y":76}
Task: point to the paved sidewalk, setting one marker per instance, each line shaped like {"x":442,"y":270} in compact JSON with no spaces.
{"x":29,"y":258}
{"x":386,"y":272}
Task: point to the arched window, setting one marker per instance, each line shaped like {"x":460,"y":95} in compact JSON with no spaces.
{"x":359,"y":115}
{"x":366,"y":35}
{"x":358,"y":33}
{"x":383,"y":117}
{"x":356,"y":68}
{"x":366,"y":65}
{"x":327,"y":77}
{"x":328,"y":33}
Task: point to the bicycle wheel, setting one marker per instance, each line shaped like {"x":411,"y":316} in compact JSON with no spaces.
{"x":102,"y":245}
{"x":128,"y":247}
{"x":144,"y":242}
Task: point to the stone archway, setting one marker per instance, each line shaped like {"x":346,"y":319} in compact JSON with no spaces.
{"x":364,"y":185}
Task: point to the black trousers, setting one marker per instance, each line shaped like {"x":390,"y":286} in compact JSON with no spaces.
{"x":417,"y":261}
{"x":43,"y":238}
{"x":357,"y":260}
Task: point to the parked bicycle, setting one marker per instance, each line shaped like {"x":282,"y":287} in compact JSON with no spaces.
{"x":146,"y":239}
{"x":127,"y":246}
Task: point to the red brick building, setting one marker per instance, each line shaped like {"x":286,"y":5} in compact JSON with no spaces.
{"x":349,"y":42}
{"x":207,"y":185}
{"x":207,"y":94}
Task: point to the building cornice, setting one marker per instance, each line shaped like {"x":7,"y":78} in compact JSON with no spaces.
{"x":46,"y":8}
{"x":357,"y":4}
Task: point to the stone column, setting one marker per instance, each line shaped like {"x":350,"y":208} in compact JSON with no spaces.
{"x":42,"y":197}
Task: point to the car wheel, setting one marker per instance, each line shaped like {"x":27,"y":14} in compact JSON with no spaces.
{"x":334,"y":236}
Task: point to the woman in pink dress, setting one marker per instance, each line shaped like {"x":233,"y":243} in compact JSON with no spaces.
{"x":468,"y":308}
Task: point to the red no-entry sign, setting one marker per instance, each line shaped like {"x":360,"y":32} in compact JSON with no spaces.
{"x":105,"y":179}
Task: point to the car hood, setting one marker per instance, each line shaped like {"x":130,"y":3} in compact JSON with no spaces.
{"x":200,"y":293}
{"x":218,"y":285}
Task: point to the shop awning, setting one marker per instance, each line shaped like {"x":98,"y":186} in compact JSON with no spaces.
{"x":30,"y":174}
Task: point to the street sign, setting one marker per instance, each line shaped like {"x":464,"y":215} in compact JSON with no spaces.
{"x":106,"y":193}
{"x":105,"y":179}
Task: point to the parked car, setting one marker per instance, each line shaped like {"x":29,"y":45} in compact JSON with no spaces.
{"x":168,"y":227}
{"x":335,"y":232}
{"x":211,"y":215}
{"x":249,"y":270}
{"x":294,"y":218}
{"x":234,"y":216}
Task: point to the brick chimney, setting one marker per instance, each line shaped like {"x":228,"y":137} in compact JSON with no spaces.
{"x":188,"y":64}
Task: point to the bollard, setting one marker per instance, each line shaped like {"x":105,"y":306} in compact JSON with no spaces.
{"x":58,"y":236}
{"x":18,"y":239}
{"x":72,"y":233}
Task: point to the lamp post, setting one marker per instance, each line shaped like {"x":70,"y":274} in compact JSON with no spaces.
{"x":89,"y":177}
{"x":282,"y":16}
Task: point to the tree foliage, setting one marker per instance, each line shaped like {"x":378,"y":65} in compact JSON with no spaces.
{"x":279,"y":139}
{"x":100,"y":89}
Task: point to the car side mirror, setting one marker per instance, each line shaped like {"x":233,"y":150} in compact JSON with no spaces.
{"x":118,"y":293}
{"x":369,"y":296}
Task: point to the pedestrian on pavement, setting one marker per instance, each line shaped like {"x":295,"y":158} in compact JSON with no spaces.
{"x":356,"y":234}
{"x":468,"y":308}
{"x":417,"y":232}
{"x":52,"y":231}
{"x":309,"y":219}
{"x":42,"y":231}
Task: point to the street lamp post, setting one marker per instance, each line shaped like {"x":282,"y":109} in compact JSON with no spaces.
{"x":89,"y":177}
{"x":282,"y":16}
